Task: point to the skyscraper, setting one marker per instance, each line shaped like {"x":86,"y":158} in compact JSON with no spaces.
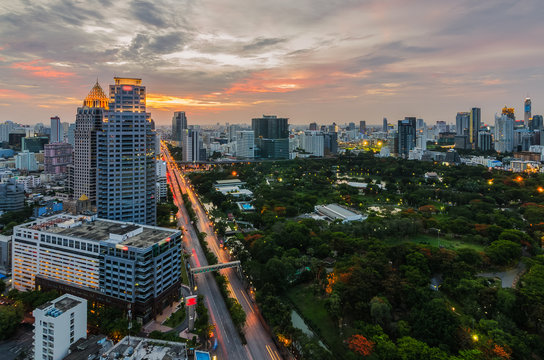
{"x":57,"y":134}
{"x":89,"y":120}
{"x":271,"y":136}
{"x":536,"y":123}
{"x":192,"y":143}
{"x":407,"y":135}
{"x":362,"y":127}
{"x":179,"y":123}
{"x":462,"y":123}
{"x":384,"y":125}
{"x":504,"y":133}
{"x":126,"y":157}
{"x":245,"y":144}
{"x":474,"y":126}
{"x":527,"y":112}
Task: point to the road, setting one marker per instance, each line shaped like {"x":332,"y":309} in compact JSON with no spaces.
{"x":259,"y":344}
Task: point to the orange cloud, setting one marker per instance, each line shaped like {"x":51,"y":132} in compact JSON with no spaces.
{"x":36,"y":68}
{"x":12,"y":94}
{"x":264,"y":82}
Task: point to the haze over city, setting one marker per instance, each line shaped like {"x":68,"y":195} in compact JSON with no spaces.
{"x":310,"y":61}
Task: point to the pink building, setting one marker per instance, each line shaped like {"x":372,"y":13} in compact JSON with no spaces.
{"x":57,"y":156}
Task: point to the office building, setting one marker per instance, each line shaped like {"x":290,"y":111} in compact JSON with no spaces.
{"x":5,"y":130}
{"x":536,"y":123}
{"x":57,"y":134}
{"x":313,"y":126}
{"x":504,"y":133}
{"x":179,"y":123}
{"x":16,"y":138}
{"x":475,"y":122}
{"x":462,"y":121}
{"x":34,"y":144}
{"x":57,"y":157}
{"x":485,"y":141}
{"x":12,"y":196}
{"x":231,"y":132}
{"x":406,"y":136}
{"x":5,"y":255}
{"x":527,"y":111}
{"x":26,"y":161}
{"x":162,"y":185}
{"x":271,"y":136}
{"x":110,"y":262}
{"x":313,"y":142}
{"x":71,"y":135}
{"x":384,"y":125}
{"x":245,"y":144}
{"x":362,"y":127}
{"x":330,"y":143}
{"x":58,"y":324}
{"x":126,"y":157}
{"x":89,"y":120}
{"x":192,"y":144}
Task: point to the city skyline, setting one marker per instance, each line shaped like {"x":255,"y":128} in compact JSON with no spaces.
{"x":312,"y":62}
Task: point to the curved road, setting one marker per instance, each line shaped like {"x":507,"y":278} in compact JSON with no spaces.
{"x":259,"y":344}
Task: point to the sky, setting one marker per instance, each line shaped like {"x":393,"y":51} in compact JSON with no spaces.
{"x":318,"y":61}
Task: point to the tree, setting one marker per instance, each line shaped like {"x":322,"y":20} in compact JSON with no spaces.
{"x":503,"y":252}
{"x":380,"y":311}
{"x":435,"y":323}
{"x":10,"y":317}
{"x":238,"y":314}
{"x":361,"y":345}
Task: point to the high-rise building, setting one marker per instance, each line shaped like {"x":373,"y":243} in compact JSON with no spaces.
{"x":313,"y":142}
{"x":192,"y":143}
{"x":232,"y":129}
{"x":12,"y":196}
{"x":462,"y":123}
{"x":536,"y":122}
{"x":57,"y":134}
{"x":57,"y":157}
{"x":527,"y":111}
{"x":384,"y":125}
{"x":71,"y":135}
{"x":179,"y":123}
{"x":485,"y":141}
{"x":126,"y":157}
{"x":5,"y":130}
{"x":34,"y":144}
{"x":313,"y":126}
{"x":504,"y":133}
{"x":421,"y":134}
{"x":271,"y":136}
{"x":109,"y":262}
{"x":162,"y":185}
{"x":351,"y":126}
{"x":245,"y":144}
{"x":89,"y":120}
{"x":407,"y":136}
{"x":475,"y":123}
{"x":26,"y":161}
{"x":5,"y":254}
{"x":362,"y":127}
{"x":58,"y":324}
{"x":330,"y":143}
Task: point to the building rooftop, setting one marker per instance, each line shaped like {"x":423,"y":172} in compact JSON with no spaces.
{"x":92,"y":228}
{"x":90,"y":348}
{"x":150,"y":349}
{"x":60,"y":305}
{"x":228,"y":182}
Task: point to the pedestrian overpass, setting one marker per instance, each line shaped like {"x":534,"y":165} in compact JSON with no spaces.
{"x":211,"y":268}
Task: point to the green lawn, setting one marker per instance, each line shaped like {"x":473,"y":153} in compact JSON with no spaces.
{"x":313,"y":307}
{"x":176,"y":318}
{"x":448,"y":243}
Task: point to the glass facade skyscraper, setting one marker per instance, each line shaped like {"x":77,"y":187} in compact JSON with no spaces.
{"x":126,"y":157}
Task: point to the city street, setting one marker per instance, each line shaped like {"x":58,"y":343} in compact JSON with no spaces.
{"x":259,"y":344}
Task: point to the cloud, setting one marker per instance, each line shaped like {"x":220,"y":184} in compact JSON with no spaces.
{"x":39,"y":69}
{"x":12,"y":94}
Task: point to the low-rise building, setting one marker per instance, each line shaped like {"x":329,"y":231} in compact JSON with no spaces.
{"x":12,"y":196}
{"x":336,"y":212}
{"x":136,"y":348}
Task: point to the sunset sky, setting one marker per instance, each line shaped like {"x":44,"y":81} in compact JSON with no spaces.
{"x":309,"y":60}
